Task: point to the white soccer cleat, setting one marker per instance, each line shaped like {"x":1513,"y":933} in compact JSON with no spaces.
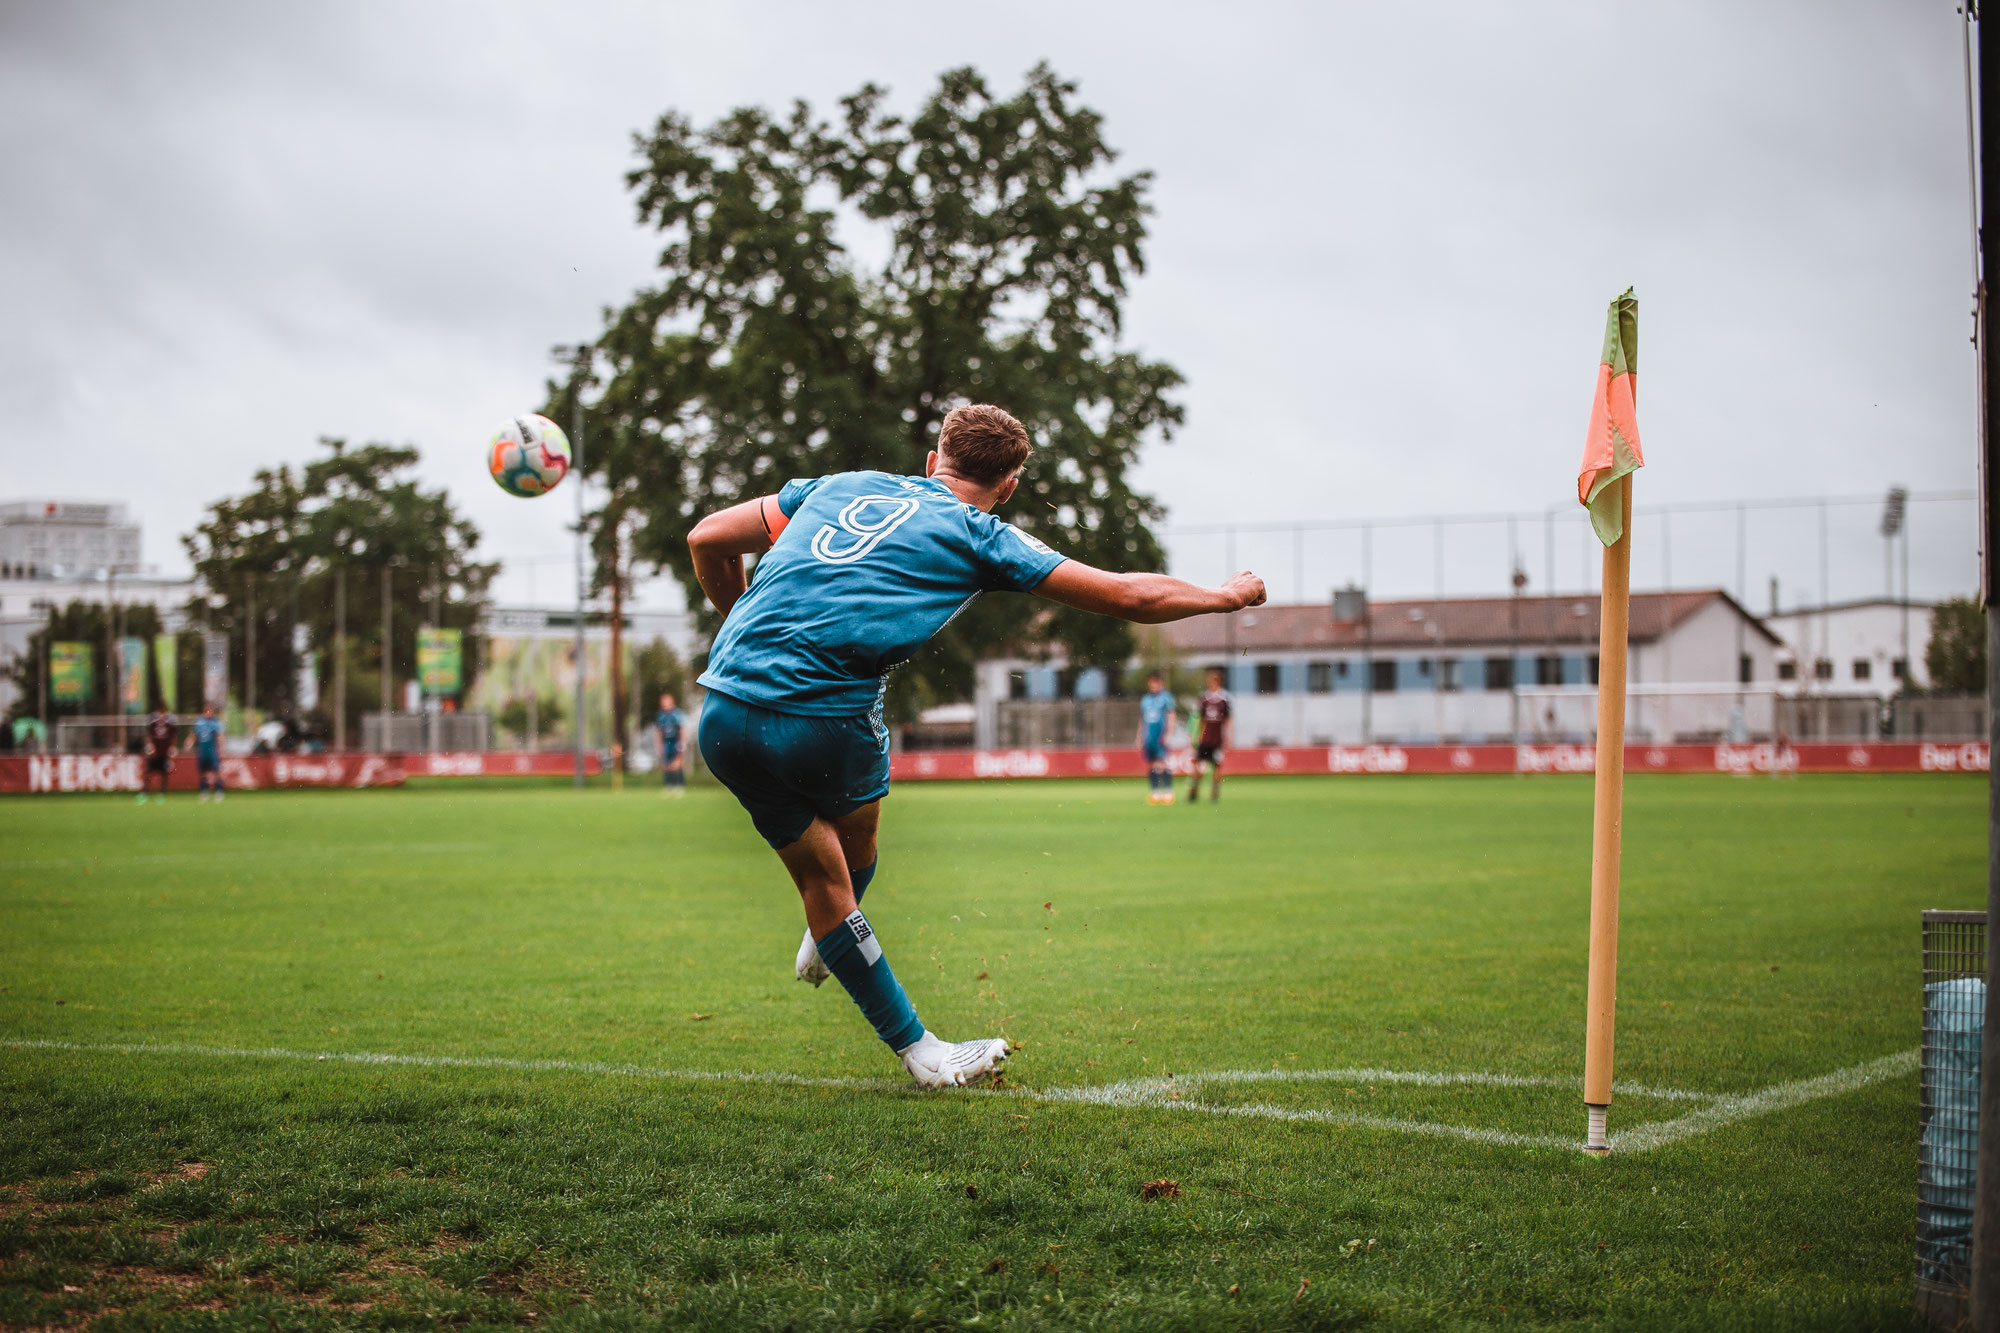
{"x":935,"y":1063}
{"x":810,"y":969}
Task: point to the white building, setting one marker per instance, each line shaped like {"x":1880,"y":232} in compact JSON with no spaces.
{"x":61,"y":538}
{"x":1464,"y":669}
{"x":1863,"y":647}
{"x":54,"y":552}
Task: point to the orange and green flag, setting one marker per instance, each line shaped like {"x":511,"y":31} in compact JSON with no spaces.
{"x":1611,"y":450}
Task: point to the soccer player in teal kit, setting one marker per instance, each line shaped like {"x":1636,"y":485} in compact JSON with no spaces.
{"x":1156,"y":718}
{"x":668,"y":724}
{"x":860,"y":570}
{"x":208,"y":754}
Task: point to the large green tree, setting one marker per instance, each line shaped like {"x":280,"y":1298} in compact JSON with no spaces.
{"x":1955,"y":658}
{"x":993,"y":250}
{"x":273,"y":557}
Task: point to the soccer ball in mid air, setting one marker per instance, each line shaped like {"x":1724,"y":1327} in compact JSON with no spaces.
{"x":528,"y":456}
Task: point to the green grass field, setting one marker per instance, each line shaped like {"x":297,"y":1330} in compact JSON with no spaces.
{"x":174,"y":1152}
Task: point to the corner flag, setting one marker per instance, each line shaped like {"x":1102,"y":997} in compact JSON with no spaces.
{"x":1610,"y":456}
{"x":1611,"y":448}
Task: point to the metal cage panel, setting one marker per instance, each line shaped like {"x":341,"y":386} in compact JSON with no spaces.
{"x":1948,"y":1160}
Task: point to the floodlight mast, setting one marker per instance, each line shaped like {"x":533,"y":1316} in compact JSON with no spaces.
{"x":1895,"y":524}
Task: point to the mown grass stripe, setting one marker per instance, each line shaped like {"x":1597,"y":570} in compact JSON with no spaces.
{"x":290,"y":851}
{"x":1149,"y":1094}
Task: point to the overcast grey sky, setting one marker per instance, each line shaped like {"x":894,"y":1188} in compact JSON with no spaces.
{"x":1385,"y":238}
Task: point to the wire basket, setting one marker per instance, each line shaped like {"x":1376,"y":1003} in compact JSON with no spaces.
{"x":1948,"y":1158}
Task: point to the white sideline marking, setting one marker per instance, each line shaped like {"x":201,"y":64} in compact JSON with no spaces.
{"x":452,"y":1062}
{"x":1151,"y":1094}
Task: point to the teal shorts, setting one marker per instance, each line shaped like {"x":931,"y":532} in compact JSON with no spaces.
{"x":788,"y":769}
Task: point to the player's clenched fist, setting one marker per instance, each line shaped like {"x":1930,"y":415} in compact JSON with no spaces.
{"x":1246,"y":587}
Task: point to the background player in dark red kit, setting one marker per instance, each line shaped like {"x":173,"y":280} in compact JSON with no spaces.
{"x":1216,"y":732}
{"x":159,"y":753}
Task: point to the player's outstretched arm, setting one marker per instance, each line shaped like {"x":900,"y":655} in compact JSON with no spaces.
{"x":1145,"y":599}
{"x":720,"y":541}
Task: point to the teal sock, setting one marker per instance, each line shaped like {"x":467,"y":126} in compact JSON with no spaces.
{"x":853,"y":954}
{"x":861,"y":879}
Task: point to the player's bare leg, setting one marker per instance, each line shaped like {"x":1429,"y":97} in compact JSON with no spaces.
{"x":856,"y":832}
{"x":818,"y":866}
{"x":1194,"y":786}
{"x":819,"y":869}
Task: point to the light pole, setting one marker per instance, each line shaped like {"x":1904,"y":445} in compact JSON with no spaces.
{"x":340,"y":658}
{"x":42,"y":677}
{"x":113,"y":695}
{"x":1518,"y":580}
{"x":1894,"y":512}
{"x":1367,"y":634}
{"x":382,"y":741}
{"x":250,"y":651}
{"x":582,"y":578}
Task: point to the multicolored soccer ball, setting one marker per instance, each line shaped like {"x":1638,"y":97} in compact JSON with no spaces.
{"x":528,"y":456}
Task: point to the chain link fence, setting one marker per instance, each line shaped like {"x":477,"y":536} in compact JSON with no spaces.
{"x":1948,"y":1155}
{"x":417,"y":733}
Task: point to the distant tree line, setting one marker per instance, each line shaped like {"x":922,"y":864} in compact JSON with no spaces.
{"x":326,"y":548}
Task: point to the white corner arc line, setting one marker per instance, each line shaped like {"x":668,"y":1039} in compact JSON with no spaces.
{"x":1425,"y":1078}
{"x":1778,"y":1097}
{"x":1149,"y":1094}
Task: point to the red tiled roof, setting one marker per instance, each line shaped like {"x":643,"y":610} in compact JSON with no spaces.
{"x":1453,"y":621}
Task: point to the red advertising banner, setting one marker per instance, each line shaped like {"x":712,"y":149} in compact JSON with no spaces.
{"x":124,"y":772}
{"x":44,"y":773}
{"x":498,"y":764}
{"x":1860,"y":757}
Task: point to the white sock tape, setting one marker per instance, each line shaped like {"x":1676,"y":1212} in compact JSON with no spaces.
{"x":864,"y":937}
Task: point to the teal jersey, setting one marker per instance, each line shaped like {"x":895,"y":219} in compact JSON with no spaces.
{"x":868,"y":569}
{"x":207,"y":737}
{"x":668,"y":722}
{"x":1154,"y":710}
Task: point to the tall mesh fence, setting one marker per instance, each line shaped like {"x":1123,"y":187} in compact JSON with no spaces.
{"x":1954,"y":1022}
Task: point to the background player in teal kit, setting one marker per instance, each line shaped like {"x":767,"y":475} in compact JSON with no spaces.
{"x":860,"y":570}
{"x":208,"y":754}
{"x":668,"y":724}
{"x":1157,"y":710}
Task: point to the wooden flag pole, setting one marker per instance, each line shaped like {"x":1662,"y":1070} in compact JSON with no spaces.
{"x":1607,"y":825}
